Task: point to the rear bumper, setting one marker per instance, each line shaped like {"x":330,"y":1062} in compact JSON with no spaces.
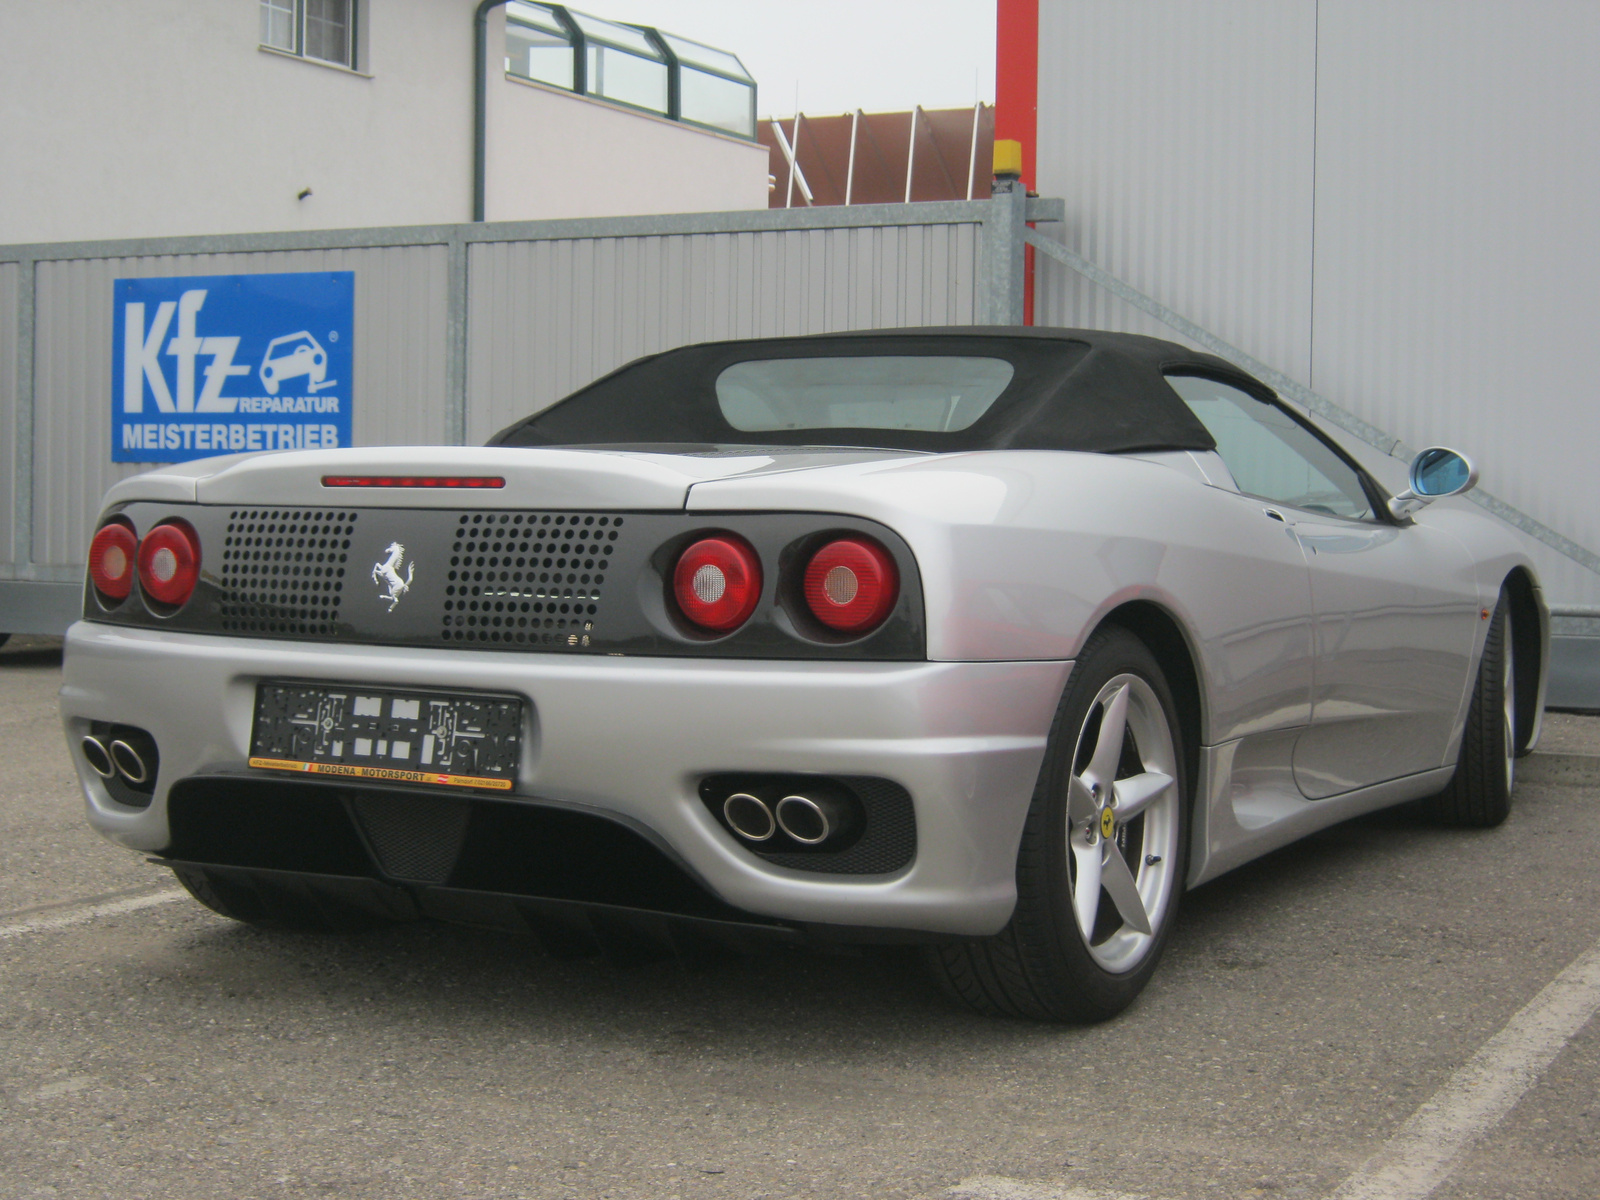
{"x":630,"y":739}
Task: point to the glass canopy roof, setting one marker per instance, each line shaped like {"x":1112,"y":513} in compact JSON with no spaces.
{"x":634,"y":65}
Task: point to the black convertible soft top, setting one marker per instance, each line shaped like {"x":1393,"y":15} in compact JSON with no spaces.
{"x":1072,"y":389}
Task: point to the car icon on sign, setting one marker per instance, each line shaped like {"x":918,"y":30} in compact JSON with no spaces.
{"x":292,"y":355}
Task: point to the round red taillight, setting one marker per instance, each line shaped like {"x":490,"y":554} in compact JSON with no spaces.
{"x":112,"y":556}
{"x":717,"y":583}
{"x":851,"y":584}
{"x":169,"y":562}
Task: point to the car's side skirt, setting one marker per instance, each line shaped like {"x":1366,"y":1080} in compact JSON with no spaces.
{"x":1237,"y":819}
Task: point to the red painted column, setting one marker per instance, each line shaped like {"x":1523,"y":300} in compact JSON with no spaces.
{"x":1016,"y":79}
{"x":1016,"y":99}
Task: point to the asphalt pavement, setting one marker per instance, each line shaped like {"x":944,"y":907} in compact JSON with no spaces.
{"x":1384,"y":1010}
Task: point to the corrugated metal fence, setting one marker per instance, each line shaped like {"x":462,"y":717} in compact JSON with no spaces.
{"x":461,"y":329}
{"x":1391,"y":209}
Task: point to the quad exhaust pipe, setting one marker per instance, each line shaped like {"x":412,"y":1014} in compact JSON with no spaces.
{"x":98,"y":756}
{"x":812,"y":819}
{"x":749,"y":816}
{"x":130,"y":762}
{"x":122,"y":755}
{"x":807,"y":816}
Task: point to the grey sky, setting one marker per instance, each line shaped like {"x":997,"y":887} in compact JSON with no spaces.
{"x":878,"y":55}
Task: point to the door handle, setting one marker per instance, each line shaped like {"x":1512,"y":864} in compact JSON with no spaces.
{"x":1277,"y":516}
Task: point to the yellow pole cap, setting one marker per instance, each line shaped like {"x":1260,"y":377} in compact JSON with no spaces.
{"x":1007,"y":159}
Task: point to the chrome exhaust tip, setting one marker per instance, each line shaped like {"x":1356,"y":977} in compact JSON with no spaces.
{"x":129,"y":762}
{"x":98,"y":757}
{"x":749,"y":817}
{"x":806,"y":820}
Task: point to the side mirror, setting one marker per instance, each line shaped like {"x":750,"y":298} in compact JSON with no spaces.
{"x":1435,"y":472}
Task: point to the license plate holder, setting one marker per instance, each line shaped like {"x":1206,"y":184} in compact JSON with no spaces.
{"x":401,"y":735}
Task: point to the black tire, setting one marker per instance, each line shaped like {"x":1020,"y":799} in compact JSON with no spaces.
{"x":276,"y":905}
{"x":1043,"y":965}
{"x":1479,"y":793}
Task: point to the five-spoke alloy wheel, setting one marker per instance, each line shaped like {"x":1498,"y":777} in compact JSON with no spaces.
{"x":1123,"y":822}
{"x":1101,"y":863}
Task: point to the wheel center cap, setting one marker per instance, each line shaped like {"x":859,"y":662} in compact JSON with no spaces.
{"x":1108,"y":822}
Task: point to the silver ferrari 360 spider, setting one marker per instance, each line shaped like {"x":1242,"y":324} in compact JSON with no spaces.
{"x":994,"y":640}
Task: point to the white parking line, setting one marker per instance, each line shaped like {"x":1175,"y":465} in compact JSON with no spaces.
{"x":998,"y":1187}
{"x":1416,"y":1160}
{"x":89,"y":912}
{"x":1424,"y":1150}
{"x":54,"y":1091}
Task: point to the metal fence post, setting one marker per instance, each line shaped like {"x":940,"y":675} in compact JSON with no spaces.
{"x":22,"y":478}
{"x":1004,"y":275}
{"x":455,"y":363}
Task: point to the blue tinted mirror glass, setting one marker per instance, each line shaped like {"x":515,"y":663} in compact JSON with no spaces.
{"x":1439,"y":472}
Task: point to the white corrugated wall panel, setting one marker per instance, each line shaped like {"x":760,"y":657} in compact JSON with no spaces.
{"x":547,"y":317}
{"x":400,"y":366}
{"x":1180,"y":135}
{"x":1389,"y":200}
{"x":1457,"y":266}
{"x":10,"y":280}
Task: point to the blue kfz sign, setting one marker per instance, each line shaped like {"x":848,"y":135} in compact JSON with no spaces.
{"x":223,"y":364}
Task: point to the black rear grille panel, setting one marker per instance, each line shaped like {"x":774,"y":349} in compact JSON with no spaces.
{"x":283,"y":570}
{"x":528,"y":850}
{"x":528,"y":579}
{"x":263,"y":823}
{"x":421,"y":837}
{"x":414,"y":838}
{"x":520,"y":580}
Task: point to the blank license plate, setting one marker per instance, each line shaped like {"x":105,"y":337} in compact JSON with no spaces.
{"x":439,"y":738}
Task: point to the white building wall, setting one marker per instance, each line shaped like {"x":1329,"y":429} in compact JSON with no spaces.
{"x":554,"y":154}
{"x":1388,"y":200}
{"x":166,"y":118}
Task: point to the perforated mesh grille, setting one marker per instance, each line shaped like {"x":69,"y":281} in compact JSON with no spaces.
{"x":283,"y":569}
{"x":527,"y":578}
{"x":415,"y":837}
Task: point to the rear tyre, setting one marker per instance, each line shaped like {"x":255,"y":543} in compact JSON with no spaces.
{"x":1479,"y":794}
{"x":254,"y":901}
{"x":1100,"y":866}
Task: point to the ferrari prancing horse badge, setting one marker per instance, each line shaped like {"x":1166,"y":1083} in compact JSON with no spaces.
{"x":387,"y":573}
